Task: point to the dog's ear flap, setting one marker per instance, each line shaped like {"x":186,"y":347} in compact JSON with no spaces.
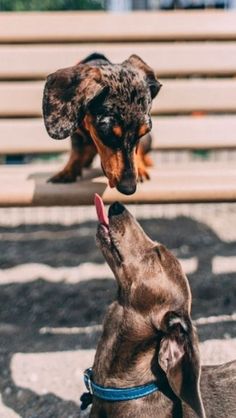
{"x":179,"y":359}
{"x":67,"y":94}
{"x":153,"y":83}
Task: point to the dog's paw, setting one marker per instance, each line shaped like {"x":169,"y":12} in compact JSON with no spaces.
{"x":148,"y":161}
{"x":63,"y":177}
{"x":143,"y":174}
{"x":142,"y":163}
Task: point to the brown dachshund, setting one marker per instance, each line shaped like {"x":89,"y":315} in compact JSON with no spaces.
{"x":105,"y":108}
{"x":148,"y":334}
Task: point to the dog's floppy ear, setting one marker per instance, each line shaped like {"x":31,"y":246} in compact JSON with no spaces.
{"x":179,"y":359}
{"x":67,"y":94}
{"x":153,"y":83}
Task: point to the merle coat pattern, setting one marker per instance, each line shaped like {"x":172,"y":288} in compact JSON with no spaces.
{"x":105,"y":108}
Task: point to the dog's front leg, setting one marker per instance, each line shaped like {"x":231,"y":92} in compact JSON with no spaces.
{"x":142,"y":158}
{"x":82,"y":154}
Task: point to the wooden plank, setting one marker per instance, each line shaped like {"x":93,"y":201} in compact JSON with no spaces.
{"x":28,"y":136}
{"x":207,"y":95}
{"x":36,"y":61}
{"x":189,"y":132}
{"x":21,"y":98}
{"x":103,"y":26}
{"x":176,"y":96}
{"x":204,"y":182}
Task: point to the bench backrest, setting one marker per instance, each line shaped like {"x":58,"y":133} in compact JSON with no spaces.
{"x":193,"y":53}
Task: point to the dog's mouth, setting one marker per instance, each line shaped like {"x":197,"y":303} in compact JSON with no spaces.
{"x":105,"y":235}
{"x":127,"y":185}
{"x":101,"y":213}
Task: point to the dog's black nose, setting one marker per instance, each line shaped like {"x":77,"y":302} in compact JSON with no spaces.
{"x":126,"y":187}
{"x":116,"y":209}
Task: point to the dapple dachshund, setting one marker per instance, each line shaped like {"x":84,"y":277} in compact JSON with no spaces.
{"x":105,"y":108}
{"x":148,"y":338}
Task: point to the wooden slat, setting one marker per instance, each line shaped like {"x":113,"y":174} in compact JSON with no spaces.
{"x":213,"y":95}
{"x":21,"y":98}
{"x":26,"y":186}
{"x":189,"y":132}
{"x":92,"y":26}
{"x":36,"y":61}
{"x":176,"y":96}
{"x":28,"y":136}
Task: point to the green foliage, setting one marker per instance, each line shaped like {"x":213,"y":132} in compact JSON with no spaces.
{"x":43,"y":5}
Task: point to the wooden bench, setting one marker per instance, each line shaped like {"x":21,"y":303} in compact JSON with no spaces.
{"x":194,"y":55}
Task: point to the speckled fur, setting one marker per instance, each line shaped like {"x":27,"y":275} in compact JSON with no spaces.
{"x":110,"y":95}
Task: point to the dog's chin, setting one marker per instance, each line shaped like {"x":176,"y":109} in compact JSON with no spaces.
{"x":108,"y":247}
{"x":126,"y":188}
{"x":103,"y":235}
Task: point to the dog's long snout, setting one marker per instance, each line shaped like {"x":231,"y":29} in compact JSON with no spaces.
{"x":127,"y":185}
{"x":116,"y":209}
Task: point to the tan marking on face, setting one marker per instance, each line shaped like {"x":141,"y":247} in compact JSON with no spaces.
{"x":140,"y":166}
{"x":143,"y":129}
{"x":112,"y":161}
{"x":117,"y":131}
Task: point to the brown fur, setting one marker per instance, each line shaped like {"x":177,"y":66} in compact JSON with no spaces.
{"x":107,"y":105}
{"x":118,"y":131}
{"x":143,"y":130}
{"x":112,"y":161}
{"x":148,"y":333}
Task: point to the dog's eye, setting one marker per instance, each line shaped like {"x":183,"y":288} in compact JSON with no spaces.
{"x":103,"y":120}
{"x":145,"y":127}
{"x":148,"y":121}
{"x":109,"y":132}
{"x":104,"y":123}
{"x":158,"y":251}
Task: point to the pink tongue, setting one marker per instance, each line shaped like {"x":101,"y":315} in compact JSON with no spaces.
{"x":101,"y":213}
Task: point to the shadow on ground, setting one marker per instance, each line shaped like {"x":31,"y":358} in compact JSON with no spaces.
{"x":27,"y":307}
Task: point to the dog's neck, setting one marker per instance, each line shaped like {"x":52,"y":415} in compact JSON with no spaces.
{"x":122,"y":358}
{"x":127,"y":362}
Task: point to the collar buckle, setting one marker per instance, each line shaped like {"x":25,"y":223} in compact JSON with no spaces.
{"x":87,"y":379}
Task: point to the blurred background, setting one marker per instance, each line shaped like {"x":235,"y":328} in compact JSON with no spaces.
{"x":54,"y":283}
{"x":112,"y":5}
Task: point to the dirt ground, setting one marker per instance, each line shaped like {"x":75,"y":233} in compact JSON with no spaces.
{"x":32,"y":307}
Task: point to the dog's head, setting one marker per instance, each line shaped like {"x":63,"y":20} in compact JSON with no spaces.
{"x":113,"y":104}
{"x":153,"y":286}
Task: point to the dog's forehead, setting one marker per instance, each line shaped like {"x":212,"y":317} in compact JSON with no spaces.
{"x":117,"y":73}
{"x":126,"y":85}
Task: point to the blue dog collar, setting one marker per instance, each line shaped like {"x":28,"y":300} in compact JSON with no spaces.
{"x":117,"y":394}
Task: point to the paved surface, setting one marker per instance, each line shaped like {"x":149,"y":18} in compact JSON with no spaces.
{"x":55,"y":288}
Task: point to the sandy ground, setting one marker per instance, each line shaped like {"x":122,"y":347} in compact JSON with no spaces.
{"x":55,"y":289}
